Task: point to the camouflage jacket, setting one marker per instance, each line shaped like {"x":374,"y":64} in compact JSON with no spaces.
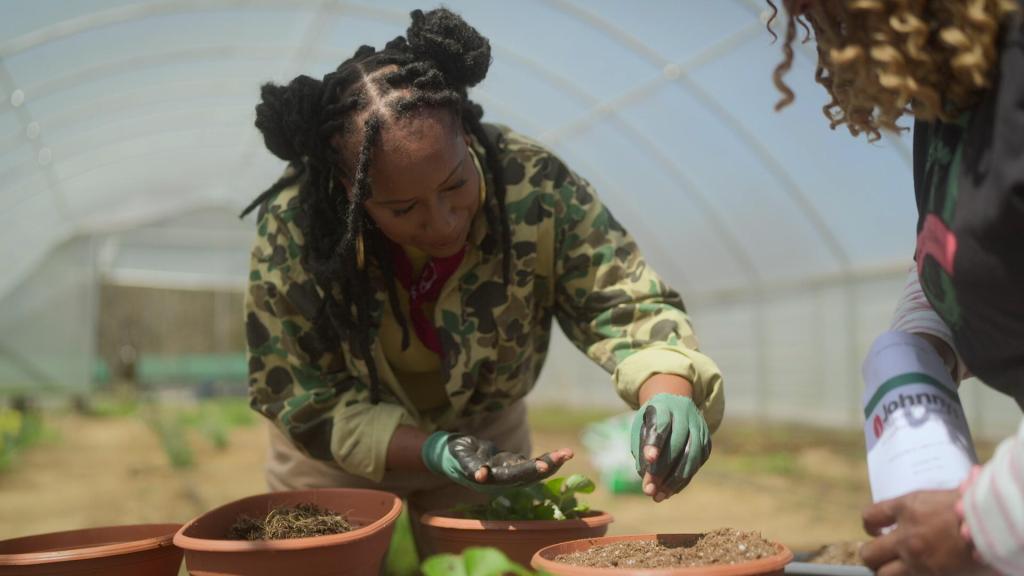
{"x":571,"y":260}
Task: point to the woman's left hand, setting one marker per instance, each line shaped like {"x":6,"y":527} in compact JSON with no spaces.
{"x":925,"y":538}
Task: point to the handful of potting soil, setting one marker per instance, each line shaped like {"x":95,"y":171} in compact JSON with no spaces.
{"x":285,"y":522}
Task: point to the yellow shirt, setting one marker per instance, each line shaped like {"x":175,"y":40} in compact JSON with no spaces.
{"x":417,"y":368}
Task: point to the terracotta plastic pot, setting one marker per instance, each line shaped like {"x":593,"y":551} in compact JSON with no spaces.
{"x":545,"y":560}
{"x":518,"y":539}
{"x":108,"y":551}
{"x":359,"y":552}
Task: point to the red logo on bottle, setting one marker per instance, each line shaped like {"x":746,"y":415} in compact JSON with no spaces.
{"x":878,"y":426}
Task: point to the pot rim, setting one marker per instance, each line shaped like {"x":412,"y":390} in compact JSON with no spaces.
{"x":194,"y":544}
{"x":104,"y":550}
{"x":446,"y":519}
{"x":767,"y":565}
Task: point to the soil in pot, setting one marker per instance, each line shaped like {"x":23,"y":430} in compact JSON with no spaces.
{"x":722,"y":546}
{"x":843,"y":553}
{"x":359,"y":552}
{"x":284,"y":522}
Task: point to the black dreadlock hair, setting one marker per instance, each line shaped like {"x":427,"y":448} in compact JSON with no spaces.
{"x":431,"y":67}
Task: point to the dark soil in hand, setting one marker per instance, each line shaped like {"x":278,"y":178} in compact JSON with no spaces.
{"x":846,"y":553}
{"x":283,"y":523}
{"x":722,"y":546}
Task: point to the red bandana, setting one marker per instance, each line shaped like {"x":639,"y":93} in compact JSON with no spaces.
{"x":424,"y":289}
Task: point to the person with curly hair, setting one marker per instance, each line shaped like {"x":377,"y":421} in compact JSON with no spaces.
{"x":406,"y":271}
{"x":956,"y":67}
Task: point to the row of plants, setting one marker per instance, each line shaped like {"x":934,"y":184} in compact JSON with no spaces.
{"x":176,"y":426}
{"x":18,"y":431}
{"x":211,"y":420}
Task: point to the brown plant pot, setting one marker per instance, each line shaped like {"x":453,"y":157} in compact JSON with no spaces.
{"x":545,"y":560}
{"x":109,"y":551}
{"x":359,"y":552}
{"x":518,"y":539}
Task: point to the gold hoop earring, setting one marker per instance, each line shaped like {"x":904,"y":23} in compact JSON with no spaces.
{"x":360,"y":252}
{"x":480,"y":172}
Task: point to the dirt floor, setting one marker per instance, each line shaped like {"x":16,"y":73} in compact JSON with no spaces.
{"x":802,"y":487}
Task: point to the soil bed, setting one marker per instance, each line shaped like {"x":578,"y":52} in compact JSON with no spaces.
{"x":722,"y":546}
{"x":845,"y":553}
{"x":302,"y":521}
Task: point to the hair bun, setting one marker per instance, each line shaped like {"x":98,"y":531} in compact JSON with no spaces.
{"x":462,"y":54}
{"x":289,"y":117}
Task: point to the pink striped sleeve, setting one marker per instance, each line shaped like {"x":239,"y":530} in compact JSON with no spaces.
{"x":914,"y":315}
{"x":994,"y":507}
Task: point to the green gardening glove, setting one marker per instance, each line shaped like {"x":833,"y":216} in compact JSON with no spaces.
{"x":672,"y":424}
{"x":459,"y":456}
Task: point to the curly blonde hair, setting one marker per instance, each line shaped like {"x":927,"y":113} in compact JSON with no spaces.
{"x":880,"y":59}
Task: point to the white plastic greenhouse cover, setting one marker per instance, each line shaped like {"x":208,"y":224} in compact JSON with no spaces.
{"x":127,"y":142}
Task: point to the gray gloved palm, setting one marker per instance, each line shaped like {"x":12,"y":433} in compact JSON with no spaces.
{"x":480,"y":465}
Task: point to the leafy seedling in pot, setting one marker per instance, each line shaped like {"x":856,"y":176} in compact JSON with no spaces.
{"x":554,"y":499}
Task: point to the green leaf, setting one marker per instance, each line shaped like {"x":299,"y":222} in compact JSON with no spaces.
{"x":579,"y":484}
{"x":486,"y":562}
{"x":474,"y":561}
{"x":444,"y":565}
{"x":553,"y":487}
{"x":544,"y":511}
{"x":554,"y":499}
{"x":522,"y":503}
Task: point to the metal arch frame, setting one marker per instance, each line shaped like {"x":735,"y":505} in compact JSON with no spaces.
{"x":315,"y":30}
{"x":330,"y":8}
{"x":67,"y":81}
{"x":73,"y":145}
{"x":609,"y":109}
{"x":123,"y":14}
{"x":770,"y":162}
{"x":132,"y":12}
{"x":775,"y":167}
{"x":25,"y":120}
{"x":119,"y":160}
{"x":848,"y":279}
{"x":63,"y":82}
{"x":325,"y":10}
{"x":86,"y":111}
{"x":128,"y":13}
{"x":79,"y":227}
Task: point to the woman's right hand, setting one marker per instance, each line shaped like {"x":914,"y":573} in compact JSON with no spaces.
{"x":479,"y":464}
